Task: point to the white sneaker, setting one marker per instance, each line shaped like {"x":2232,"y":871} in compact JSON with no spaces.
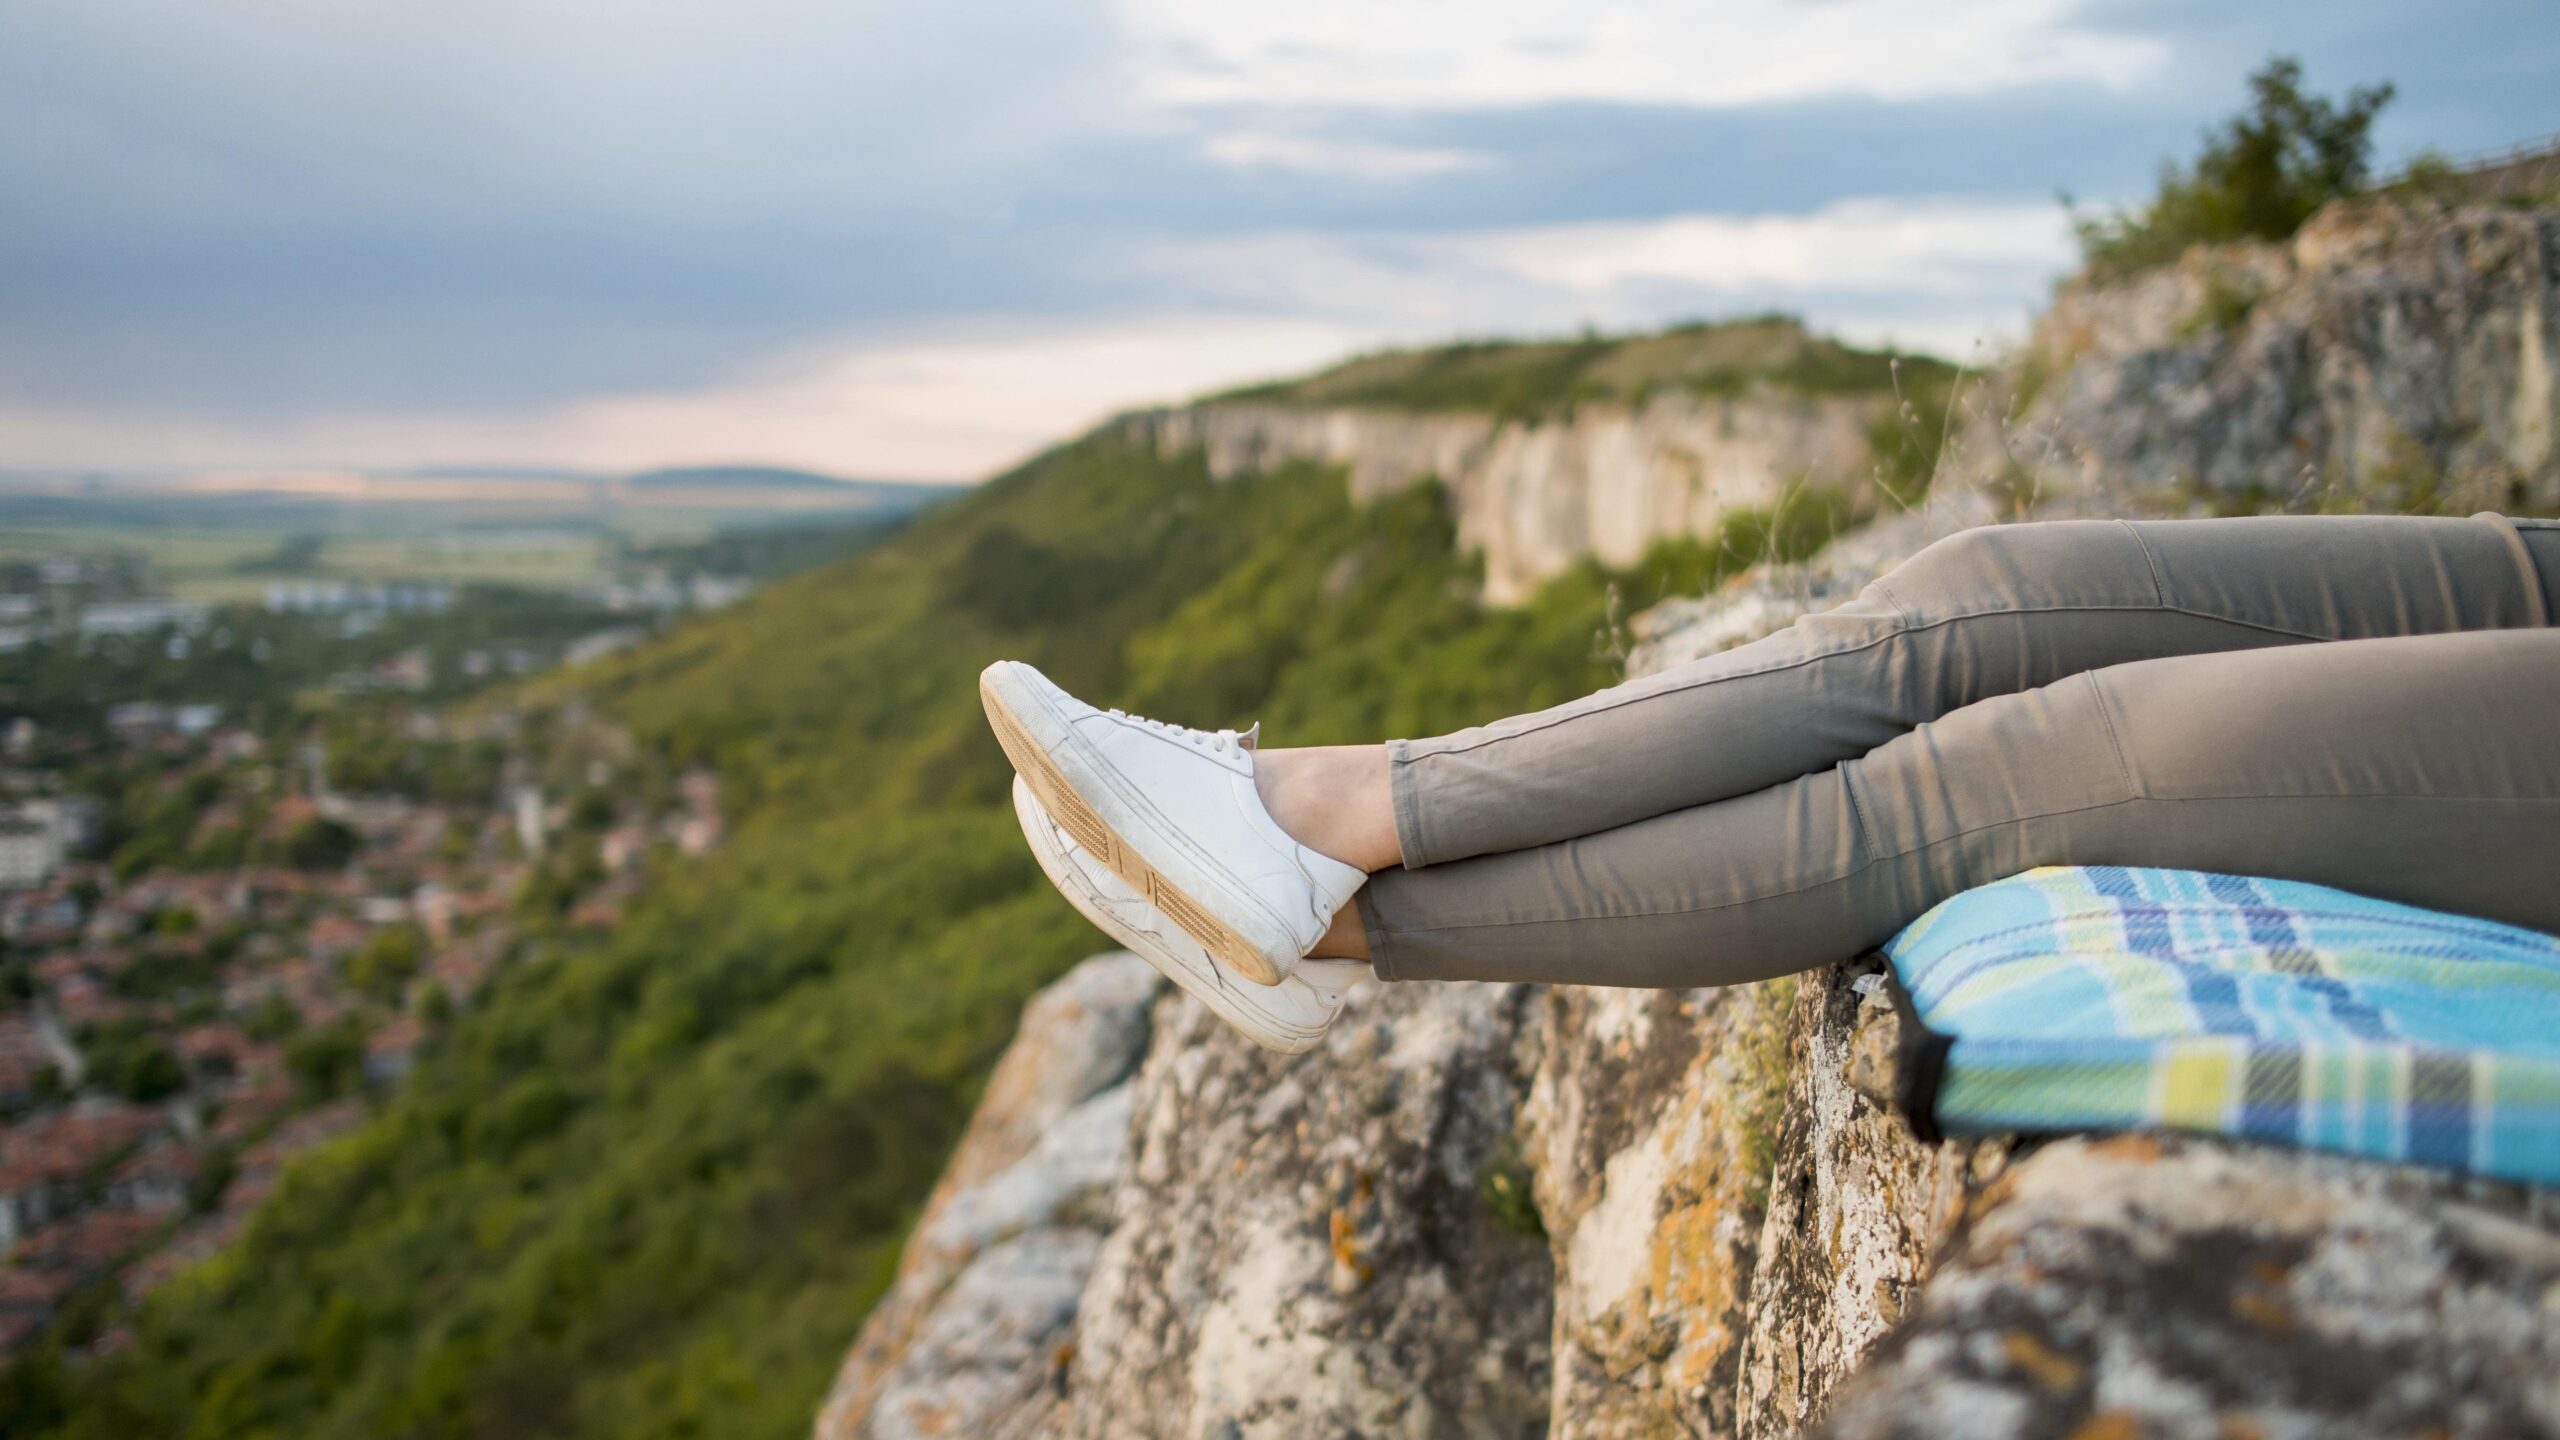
{"x":1173,"y":812}
{"x":1289,"y":1017}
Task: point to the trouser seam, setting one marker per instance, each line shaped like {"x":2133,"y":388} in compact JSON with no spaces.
{"x":1840,"y":879}
{"x":1897,"y":633}
{"x":1404,"y":805}
{"x":2115,"y":743}
{"x":1851,"y":874}
{"x":1901,"y":611}
{"x":1381,"y":940}
{"x":2159,"y":587}
{"x":1857,"y":815}
{"x":2532,"y":569}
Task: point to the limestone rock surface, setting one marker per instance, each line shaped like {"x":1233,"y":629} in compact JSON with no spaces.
{"x":1650,"y":1122}
{"x":1608,"y":481}
{"x":2384,"y":354}
{"x":965,"y":1340}
{"x":2182,"y":1287}
{"x":1304,"y":1246}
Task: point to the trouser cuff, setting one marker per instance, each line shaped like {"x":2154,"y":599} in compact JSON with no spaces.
{"x":1404,"y":786}
{"x":1384,"y":956}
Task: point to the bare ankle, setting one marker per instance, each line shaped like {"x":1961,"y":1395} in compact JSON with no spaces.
{"x":1334,"y":799}
{"x":1345,"y":939}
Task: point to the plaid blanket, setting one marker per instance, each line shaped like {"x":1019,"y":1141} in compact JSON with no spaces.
{"x":2101,"y":997}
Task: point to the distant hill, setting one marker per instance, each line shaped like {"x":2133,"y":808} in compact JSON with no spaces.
{"x":746,"y":480}
{"x":745,"y":477}
{"x":1529,"y":378}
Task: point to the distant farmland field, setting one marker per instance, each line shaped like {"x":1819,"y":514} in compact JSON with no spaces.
{"x":227,"y":536}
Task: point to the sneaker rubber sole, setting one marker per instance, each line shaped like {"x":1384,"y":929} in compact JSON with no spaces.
{"x":1254,"y":1018}
{"x":1032,"y":761}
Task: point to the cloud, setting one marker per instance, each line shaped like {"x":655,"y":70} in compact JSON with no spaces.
{"x":1482,"y":53}
{"x":1933,"y":272}
{"x":953,"y":403}
{"x":276,"y":230}
{"x":1933,"y":247}
{"x":280,"y":203}
{"x":1358,"y":160}
{"x":960,"y":398}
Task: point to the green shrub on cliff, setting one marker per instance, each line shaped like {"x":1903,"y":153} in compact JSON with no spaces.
{"x":2260,"y":176}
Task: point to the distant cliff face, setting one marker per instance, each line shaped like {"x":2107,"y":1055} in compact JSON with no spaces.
{"x":1609,"y":480}
{"x":2383,"y":356}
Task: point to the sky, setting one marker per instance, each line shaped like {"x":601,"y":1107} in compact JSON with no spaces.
{"x":921,"y":241}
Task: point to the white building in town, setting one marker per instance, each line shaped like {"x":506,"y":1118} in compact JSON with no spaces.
{"x":30,"y":850}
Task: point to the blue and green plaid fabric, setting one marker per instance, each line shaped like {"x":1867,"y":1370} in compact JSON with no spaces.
{"x":2100,"y":997}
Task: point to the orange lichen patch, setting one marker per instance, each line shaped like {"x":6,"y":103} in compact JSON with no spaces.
{"x":2040,"y":1362}
{"x":2264,"y":1311}
{"x":1999,"y":1192}
{"x":2109,"y":1425}
{"x":1345,"y":1244}
{"x":1694,"y":1276}
{"x":1700,"y":1266}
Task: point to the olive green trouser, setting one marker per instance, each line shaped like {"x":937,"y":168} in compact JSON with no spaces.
{"x":2081,"y":692}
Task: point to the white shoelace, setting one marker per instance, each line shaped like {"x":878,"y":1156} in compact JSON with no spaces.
{"x":1224,"y":744}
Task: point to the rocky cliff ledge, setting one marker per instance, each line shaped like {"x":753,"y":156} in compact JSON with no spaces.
{"x":2387,"y":355}
{"x":1509,"y":1211}
{"x":1512,"y":1210}
{"x":1608,"y":481}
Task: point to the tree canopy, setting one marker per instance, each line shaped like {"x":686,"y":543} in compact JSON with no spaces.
{"x":2261,"y":174}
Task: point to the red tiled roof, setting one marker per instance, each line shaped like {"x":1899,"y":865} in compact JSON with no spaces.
{"x":20,"y":1286}
{"x":89,"y":1239}
{"x":175,"y":1161}
{"x":66,"y":1145}
{"x":397,"y":1038}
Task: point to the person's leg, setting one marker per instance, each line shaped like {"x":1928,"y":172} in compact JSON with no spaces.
{"x":1987,"y":612}
{"x":2424,"y":770}
{"x":1339,"y":799}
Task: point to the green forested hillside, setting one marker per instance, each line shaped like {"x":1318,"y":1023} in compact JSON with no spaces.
{"x":650,"y":1185}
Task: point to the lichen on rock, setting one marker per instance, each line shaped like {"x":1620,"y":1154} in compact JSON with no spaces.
{"x":1302,"y":1246}
{"x":2384,"y":358}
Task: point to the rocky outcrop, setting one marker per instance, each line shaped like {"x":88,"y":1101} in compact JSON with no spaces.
{"x":1615,"y":1215}
{"x":2136,"y":1286}
{"x":969,"y":1336}
{"x":2389,"y":356}
{"x":1651,"y":1124}
{"x":1610,"y":1215}
{"x":1293,"y":1245}
{"x":1305,"y":1247}
{"x":1607,"y":481}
